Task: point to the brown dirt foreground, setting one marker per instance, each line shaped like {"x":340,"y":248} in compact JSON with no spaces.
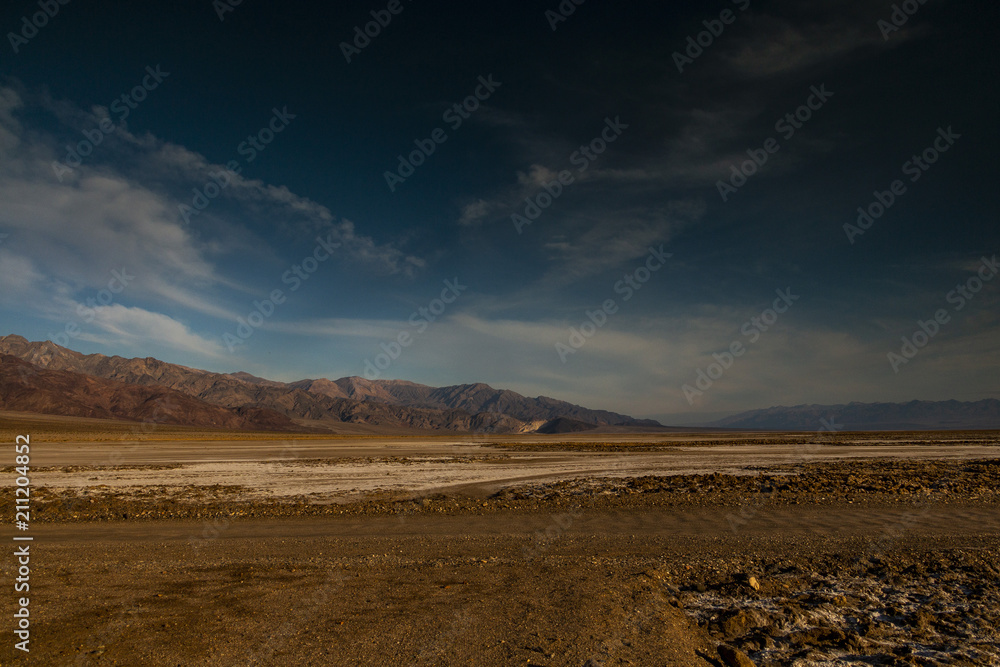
{"x":894,"y":584}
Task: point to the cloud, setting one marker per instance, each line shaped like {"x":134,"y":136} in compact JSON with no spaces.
{"x":794,"y":38}
{"x":692,"y":134}
{"x":19,"y":280}
{"x":150,"y":179}
{"x":774,"y":46}
{"x":78,"y":233}
{"x":139,"y":328}
{"x":295,"y":214}
{"x":619,"y":237}
{"x":120,"y":210}
{"x":474,"y":212}
{"x":10,"y":129}
{"x":364,"y":250}
{"x":339,"y":327}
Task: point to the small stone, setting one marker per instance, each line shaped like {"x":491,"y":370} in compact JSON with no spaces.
{"x":754,"y":584}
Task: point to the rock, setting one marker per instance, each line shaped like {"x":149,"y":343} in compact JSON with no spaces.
{"x":739,"y":623}
{"x":753,"y":583}
{"x":733,"y":657}
{"x":817,"y":636}
{"x":862,"y":645}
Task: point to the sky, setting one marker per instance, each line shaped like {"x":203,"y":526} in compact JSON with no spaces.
{"x":672,"y":210}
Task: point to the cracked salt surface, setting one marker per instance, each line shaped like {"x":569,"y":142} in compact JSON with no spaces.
{"x":877,"y":624}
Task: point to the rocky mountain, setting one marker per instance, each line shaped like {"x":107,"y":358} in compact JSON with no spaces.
{"x":471,"y":398}
{"x":28,"y":388}
{"x":348,"y":400}
{"x":915,"y":415}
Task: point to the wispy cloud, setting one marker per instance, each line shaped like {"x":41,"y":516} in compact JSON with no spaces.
{"x":137,"y":328}
{"x":774,"y":46}
{"x":120,"y":209}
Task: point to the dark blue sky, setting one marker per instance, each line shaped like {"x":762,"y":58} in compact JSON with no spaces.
{"x":376,"y":285}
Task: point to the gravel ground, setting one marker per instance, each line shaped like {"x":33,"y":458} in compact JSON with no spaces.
{"x":663,"y":586}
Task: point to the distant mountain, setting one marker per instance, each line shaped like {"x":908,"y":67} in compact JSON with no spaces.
{"x":915,"y":415}
{"x":354,"y":400}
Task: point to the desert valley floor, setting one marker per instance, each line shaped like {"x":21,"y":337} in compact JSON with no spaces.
{"x":176,"y":547}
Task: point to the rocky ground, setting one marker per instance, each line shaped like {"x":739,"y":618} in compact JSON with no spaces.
{"x":864,"y":562}
{"x":898,"y":607}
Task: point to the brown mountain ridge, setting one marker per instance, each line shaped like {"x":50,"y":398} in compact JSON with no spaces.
{"x":28,"y":388}
{"x":248,"y":401}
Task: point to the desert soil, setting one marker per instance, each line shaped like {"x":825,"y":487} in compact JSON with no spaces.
{"x":679,"y":550}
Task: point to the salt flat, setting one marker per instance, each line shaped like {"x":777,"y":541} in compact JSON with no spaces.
{"x":338,"y":469}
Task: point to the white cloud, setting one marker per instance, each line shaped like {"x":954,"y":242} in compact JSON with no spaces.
{"x":19,"y":280}
{"x":621,"y":237}
{"x":118,"y":211}
{"x":474,"y":212}
{"x":337,"y":327}
{"x":774,"y":46}
{"x":139,"y":328}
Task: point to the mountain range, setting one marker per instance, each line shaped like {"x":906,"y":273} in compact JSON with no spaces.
{"x":911,"y":416}
{"x":45,"y":377}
